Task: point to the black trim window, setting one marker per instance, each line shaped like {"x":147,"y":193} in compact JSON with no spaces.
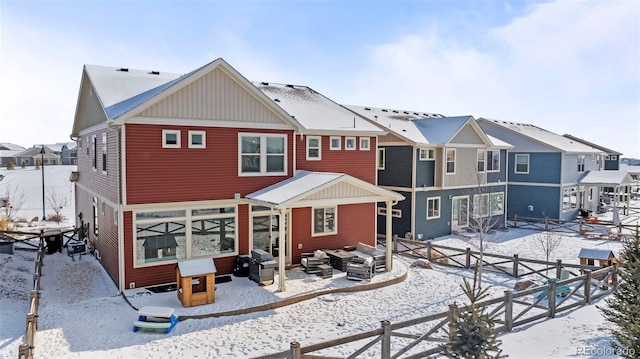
{"x":94,"y":153}
{"x":104,"y":153}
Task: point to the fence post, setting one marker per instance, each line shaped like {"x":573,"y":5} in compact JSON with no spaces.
{"x":394,"y":240}
{"x":551,"y":297}
{"x":580,"y":227}
{"x":508,"y":310}
{"x":515,"y":265}
{"x":453,"y":317}
{"x":559,"y":268}
{"x":386,"y":340}
{"x":546,"y":224}
{"x":587,"y":286}
{"x":429,"y":250}
{"x":515,"y":221}
{"x":467,"y":264}
{"x":296,"y":353}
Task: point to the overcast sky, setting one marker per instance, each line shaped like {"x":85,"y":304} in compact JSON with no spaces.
{"x":566,"y":66}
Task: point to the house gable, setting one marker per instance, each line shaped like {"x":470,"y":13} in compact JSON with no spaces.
{"x":216,"y":96}
{"x":89,"y":110}
{"x":467,"y":135}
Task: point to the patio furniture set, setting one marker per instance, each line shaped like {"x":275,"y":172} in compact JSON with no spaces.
{"x":359,"y":262}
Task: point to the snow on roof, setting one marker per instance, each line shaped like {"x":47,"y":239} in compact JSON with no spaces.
{"x":498,"y":142}
{"x":601,"y":254}
{"x":121,"y":89}
{"x":313,"y":110}
{"x":10,"y":147}
{"x":620,"y":178}
{"x":304,"y":182}
{"x":195,"y":267}
{"x":301,"y":183}
{"x":594,"y":145}
{"x":396,"y":121}
{"x":544,"y":136}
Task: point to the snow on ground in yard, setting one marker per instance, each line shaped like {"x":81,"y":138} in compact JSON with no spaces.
{"x":83,"y":315}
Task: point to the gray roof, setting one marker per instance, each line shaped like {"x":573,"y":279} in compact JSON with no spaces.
{"x":120,"y":91}
{"x":607,"y":178}
{"x":594,"y":145}
{"x":416,"y":127}
{"x":601,"y":254}
{"x":315,"y":111}
{"x":196,"y":267}
{"x":543,"y":136}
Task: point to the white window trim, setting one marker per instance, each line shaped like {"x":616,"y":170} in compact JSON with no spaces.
{"x":164,"y":138}
{"x":204,"y":139}
{"x":490,"y":160}
{"x":331,"y":146}
{"x":346,"y":142}
{"x":115,"y":216}
{"x":446,"y":161}
{"x":335,"y":221}
{"x":364,"y":140}
{"x":426,"y":154}
{"x":483,"y":160}
{"x":439,"y":207}
{"x":396,"y":213}
{"x":104,"y":153}
{"x":614,"y":157}
{"x":319,"y":148}
{"x":262,"y":153}
{"x":495,"y":194}
{"x":382,"y":154}
{"x":188,"y":218}
{"x":515,"y":163}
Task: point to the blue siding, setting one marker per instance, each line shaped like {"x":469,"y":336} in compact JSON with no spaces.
{"x":425,"y":172}
{"x":545,"y":201}
{"x":501,"y":175}
{"x":401,"y":225}
{"x":543,"y":168}
{"x":398,"y":163}
{"x":439,"y":227}
{"x":610,"y":165}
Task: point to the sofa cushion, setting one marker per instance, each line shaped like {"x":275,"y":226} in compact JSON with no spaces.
{"x":364,"y":248}
{"x":319,"y":254}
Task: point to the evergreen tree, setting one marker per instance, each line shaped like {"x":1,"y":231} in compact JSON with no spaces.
{"x":624,"y":306}
{"x":471,"y":331}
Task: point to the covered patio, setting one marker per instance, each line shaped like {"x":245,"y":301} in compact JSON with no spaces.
{"x":320,"y":189}
{"x":614,"y":187}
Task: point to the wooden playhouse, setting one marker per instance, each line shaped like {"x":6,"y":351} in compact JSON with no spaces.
{"x":196,"y":282}
{"x":589,"y":256}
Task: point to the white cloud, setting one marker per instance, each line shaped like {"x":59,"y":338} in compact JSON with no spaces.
{"x":570,"y":67}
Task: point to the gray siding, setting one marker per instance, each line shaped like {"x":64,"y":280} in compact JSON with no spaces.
{"x":467,"y":135}
{"x":466,"y":164}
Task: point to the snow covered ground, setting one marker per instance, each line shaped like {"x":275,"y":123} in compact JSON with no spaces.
{"x":82,"y":314}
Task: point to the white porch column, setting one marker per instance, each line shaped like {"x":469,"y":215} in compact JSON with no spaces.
{"x":389,"y":258}
{"x":281,"y":250}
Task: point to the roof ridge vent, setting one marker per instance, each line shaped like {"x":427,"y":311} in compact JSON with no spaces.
{"x":276,"y":100}
{"x":383,"y":110}
{"x":154,"y":73}
{"x":289,"y":86}
{"x":367,"y":109}
{"x":395,"y":111}
{"x":123,"y":69}
{"x":264,"y":83}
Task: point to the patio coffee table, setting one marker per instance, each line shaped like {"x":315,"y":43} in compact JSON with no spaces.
{"x":338,"y":258}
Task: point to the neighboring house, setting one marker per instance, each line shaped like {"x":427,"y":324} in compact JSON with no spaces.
{"x":544,"y":171}
{"x":205,"y":164}
{"x":66,"y":150}
{"x":611,"y":159}
{"x":450,"y":172}
{"x":34,"y":155}
{"x":8,"y":153}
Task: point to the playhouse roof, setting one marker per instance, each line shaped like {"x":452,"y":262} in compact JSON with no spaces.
{"x":195,"y":267}
{"x":601,"y":254}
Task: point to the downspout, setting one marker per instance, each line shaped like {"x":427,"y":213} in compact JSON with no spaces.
{"x":414,"y":175}
{"x":506,"y":186}
{"x":389,"y":242}
{"x":121,"y":267}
